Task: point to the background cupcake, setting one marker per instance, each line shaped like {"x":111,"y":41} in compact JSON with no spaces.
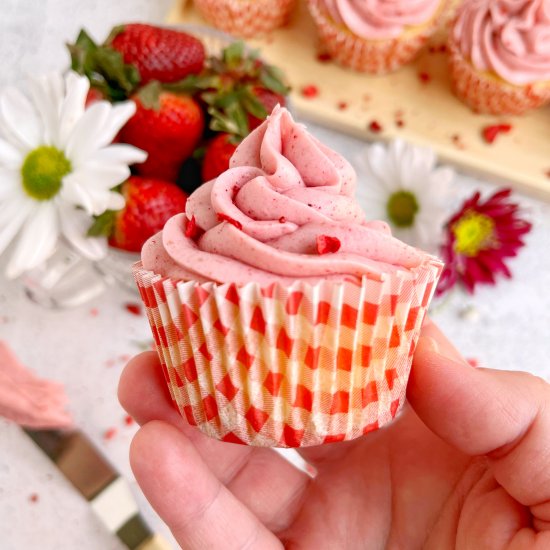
{"x":378,"y":36}
{"x":500,"y":55}
{"x":246,"y":18}
{"x":281,"y":316}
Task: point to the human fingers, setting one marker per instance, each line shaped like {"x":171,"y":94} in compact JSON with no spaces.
{"x":263,"y":480}
{"x":200,"y":511}
{"x":503,"y":415}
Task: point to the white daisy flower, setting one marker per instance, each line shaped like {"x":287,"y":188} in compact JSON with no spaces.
{"x":57,"y":167}
{"x":402,"y":186}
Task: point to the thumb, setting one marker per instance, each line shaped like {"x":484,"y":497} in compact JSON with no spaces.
{"x":487,"y":412}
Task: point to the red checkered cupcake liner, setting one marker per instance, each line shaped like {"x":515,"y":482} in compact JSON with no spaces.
{"x":246,"y":18}
{"x":369,"y":56}
{"x":488,"y":94}
{"x":288,"y":366}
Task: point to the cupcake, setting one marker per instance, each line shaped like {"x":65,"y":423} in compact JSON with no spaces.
{"x":500,"y":55}
{"x":281,"y":316}
{"x":246,"y":18}
{"x":378,"y":36}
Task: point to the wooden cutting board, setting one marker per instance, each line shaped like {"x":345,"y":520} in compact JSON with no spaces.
{"x":418,"y":95}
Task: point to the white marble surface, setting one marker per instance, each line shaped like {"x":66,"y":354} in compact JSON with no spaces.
{"x":85,"y":348}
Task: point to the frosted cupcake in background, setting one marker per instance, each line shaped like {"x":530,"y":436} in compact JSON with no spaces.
{"x":376,"y":36}
{"x":282,"y":317}
{"x":500,"y":55}
{"x":246,"y":18}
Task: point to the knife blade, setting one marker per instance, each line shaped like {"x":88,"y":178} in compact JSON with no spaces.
{"x":100,"y":484}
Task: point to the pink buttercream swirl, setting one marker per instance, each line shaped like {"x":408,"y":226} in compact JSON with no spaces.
{"x":508,"y":37}
{"x":380,"y":19}
{"x":262,"y":218}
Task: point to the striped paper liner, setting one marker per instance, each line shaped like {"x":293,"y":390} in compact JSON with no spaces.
{"x":246,"y":18}
{"x":288,"y":366}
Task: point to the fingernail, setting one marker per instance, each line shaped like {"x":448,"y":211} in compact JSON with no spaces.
{"x":429,"y":343}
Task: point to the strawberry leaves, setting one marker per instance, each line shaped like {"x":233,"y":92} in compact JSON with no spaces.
{"x":103,"y":225}
{"x":104,"y":67}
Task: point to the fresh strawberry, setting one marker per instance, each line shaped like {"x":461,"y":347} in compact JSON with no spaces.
{"x":159,"y":54}
{"x":269,"y":99}
{"x":134,"y":55}
{"x":238,"y":90}
{"x":168,"y":126}
{"x":218,"y":153}
{"x":150,"y":203}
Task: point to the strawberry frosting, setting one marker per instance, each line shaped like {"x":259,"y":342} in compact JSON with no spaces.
{"x":508,"y":37}
{"x":260,"y":220}
{"x":380,"y":19}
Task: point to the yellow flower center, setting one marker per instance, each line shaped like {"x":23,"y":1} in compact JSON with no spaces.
{"x":402,"y":207}
{"x":42,"y":172}
{"x":473,"y":232}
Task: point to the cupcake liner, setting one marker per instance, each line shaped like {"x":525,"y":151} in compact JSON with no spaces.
{"x":288,"y":366}
{"x":370,"y":56}
{"x":244,"y":17}
{"x":488,"y":94}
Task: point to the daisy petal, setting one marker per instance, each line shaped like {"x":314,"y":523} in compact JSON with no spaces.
{"x":74,"y":226}
{"x":88,"y":134}
{"x":47,"y":94}
{"x":20,"y":211}
{"x":20,"y":117}
{"x":116,"y":201}
{"x":74,"y":105}
{"x":75,"y":194}
{"x":37,"y":240}
{"x":100,"y":176}
{"x":119,"y":153}
{"x":120,"y":114}
{"x":10,"y":182}
{"x":10,"y":156}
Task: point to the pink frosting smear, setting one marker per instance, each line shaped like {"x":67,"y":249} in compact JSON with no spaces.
{"x":28,"y":400}
{"x":260,"y":220}
{"x":508,"y":37}
{"x":380,"y":19}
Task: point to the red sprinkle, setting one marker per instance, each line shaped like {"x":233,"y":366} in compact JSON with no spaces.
{"x":128,"y":420}
{"x":324,"y":57}
{"x":424,"y":77}
{"x":342,"y":105}
{"x":282,"y":219}
{"x":327,"y":244}
{"x":443,"y":48}
{"x":33,"y":497}
{"x":229,"y":219}
{"x":310,"y":91}
{"x":490,"y":133}
{"x":192,"y":230}
{"x":133,"y":308}
{"x":94,"y":312}
{"x":109,"y":434}
{"x":375,"y":127}
{"x":473,"y":362}
{"x":400,"y":123}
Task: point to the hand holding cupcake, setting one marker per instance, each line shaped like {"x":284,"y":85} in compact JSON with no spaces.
{"x":500,"y":55}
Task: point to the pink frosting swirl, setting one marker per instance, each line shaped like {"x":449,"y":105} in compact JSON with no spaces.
{"x":508,"y":37}
{"x":262,"y":218}
{"x":380,"y":19}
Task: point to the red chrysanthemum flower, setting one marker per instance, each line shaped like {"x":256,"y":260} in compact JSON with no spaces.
{"x":479,"y":239}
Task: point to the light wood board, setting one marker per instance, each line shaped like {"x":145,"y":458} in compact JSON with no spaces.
{"x":431,"y":115}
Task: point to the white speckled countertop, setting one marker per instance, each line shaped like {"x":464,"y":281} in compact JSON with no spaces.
{"x":86,"y":347}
